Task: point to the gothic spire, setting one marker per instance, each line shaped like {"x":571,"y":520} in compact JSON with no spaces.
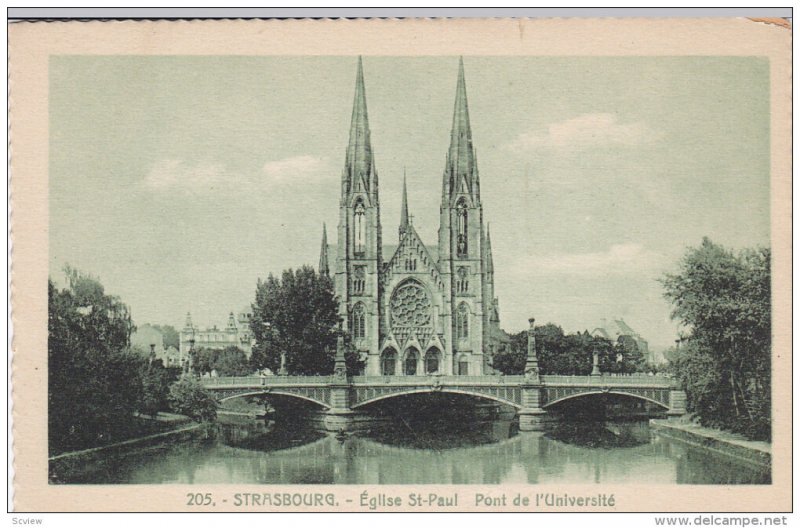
{"x":324,"y":269}
{"x":358,"y":162}
{"x":461,"y":155}
{"x":404,"y":208}
{"x":489,"y":259}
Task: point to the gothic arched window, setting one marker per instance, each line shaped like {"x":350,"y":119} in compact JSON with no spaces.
{"x":360,"y":228}
{"x":388,"y":362}
{"x":410,"y":364}
{"x":359,"y":322}
{"x":462,"y":321}
{"x":462,"y":280}
{"x":461,"y":229}
{"x":359,"y":279}
{"x":432,"y":357}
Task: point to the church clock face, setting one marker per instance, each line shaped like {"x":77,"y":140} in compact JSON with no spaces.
{"x":410,"y":306}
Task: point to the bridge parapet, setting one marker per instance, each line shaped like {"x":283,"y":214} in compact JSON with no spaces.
{"x":638,"y":380}
{"x":436,"y":379}
{"x":264,"y":381}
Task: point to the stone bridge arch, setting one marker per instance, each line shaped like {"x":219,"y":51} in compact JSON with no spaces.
{"x":659,"y":397}
{"x":510,"y":396}
{"x":318,"y":396}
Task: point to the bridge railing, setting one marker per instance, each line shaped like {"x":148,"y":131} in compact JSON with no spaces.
{"x":266,"y":381}
{"x":603,"y":380}
{"x":432,"y":379}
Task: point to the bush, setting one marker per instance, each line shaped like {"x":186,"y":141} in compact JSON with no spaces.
{"x":188,"y":397}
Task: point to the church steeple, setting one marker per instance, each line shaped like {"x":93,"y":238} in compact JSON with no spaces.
{"x":461,"y":173}
{"x":324,"y":268}
{"x":488,"y":257}
{"x":359,"y":170}
{"x":404,"y":208}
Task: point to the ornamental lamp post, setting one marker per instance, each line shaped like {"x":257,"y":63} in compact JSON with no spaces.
{"x":595,"y":363}
{"x":188,"y":365}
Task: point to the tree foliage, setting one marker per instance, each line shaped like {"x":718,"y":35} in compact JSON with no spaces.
{"x":94,"y":381}
{"x":188,"y":397}
{"x":569,"y":354}
{"x":723,"y":299}
{"x":230,"y":361}
{"x":297,"y":315}
{"x":155,"y":379}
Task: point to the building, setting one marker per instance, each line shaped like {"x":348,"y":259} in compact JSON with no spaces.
{"x":617,"y":329}
{"x":149,"y":341}
{"x":411,"y":308}
{"x":235,"y":333}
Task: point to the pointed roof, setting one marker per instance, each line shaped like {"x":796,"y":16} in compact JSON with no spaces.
{"x":324,"y":266}
{"x":188,"y":320}
{"x":404,"y":207}
{"x":489,"y":258}
{"x":461,"y":155}
{"x":358,"y":163}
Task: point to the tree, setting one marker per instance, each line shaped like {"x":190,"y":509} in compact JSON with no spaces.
{"x":188,"y":397}
{"x":297,"y":315}
{"x":155,"y":387}
{"x":94,"y":382}
{"x":557,"y":353}
{"x":630,"y":356}
{"x":723,"y":299}
{"x":230,"y":361}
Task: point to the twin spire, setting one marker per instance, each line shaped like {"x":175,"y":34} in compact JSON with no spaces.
{"x":460,"y":175}
{"x":359,"y":172}
{"x":461,"y":172}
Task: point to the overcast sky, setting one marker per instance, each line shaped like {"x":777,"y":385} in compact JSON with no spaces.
{"x":178,"y":181}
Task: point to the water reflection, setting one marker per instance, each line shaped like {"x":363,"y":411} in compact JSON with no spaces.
{"x":488,"y":452}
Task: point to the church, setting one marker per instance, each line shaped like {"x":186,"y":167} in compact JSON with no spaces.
{"x":413,"y":309}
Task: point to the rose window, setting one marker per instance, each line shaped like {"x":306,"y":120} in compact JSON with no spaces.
{"x":410,"y":306}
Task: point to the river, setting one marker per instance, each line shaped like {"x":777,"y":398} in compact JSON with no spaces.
{"x":485,"y":452}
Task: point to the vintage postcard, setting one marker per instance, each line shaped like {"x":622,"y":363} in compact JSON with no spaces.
{"x":408,"y":265}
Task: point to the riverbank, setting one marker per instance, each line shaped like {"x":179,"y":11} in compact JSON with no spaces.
{"x":73,"y":462}
{"x":729,"y":444}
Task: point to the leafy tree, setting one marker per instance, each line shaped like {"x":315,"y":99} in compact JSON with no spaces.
{"x":230,"y":361}
{"x":723,"y":298}
{"x":630,"y":356}
{"x":188,"y":397}
{"x":297,"y":315}
{"x":94,"y":382}
{"x":155,"y":387}
{"x":567,"y":354}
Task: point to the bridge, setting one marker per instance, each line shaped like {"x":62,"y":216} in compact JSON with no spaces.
{"x":531,"y":397}
{"x":532,"y":394}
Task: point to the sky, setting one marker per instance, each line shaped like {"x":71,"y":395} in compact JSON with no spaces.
{"x":178,"y":181}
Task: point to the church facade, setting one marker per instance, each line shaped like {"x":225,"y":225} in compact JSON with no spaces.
{"x":410,"y":308}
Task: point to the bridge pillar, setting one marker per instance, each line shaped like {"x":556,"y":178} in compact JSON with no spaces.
{"x":531,"y":416}
{"x":340,"y":417}
{"x":677,"y":403}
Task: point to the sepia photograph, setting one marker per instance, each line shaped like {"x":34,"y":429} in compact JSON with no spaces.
{"x":408,"y":269}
